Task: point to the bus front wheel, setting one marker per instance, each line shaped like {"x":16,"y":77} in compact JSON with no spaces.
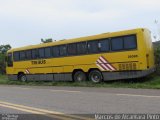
{"x":79,"y":76}
{"x":22,"y":77}
{"x":95,"y":76}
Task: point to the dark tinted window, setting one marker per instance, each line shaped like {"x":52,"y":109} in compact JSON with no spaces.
{"x":130,"y":42}
{"x":22,"y":55}
{"x":41,"y":52}
{"x":28,"y":54}
{"x":55,"y":51}
{"x":103,"y":45}
{"x":16,"y":56}
{"x":47,"y":52}
{"x":117,"y":43}
{"x":63,"y":50}
{"x":72,"y":49}
{"x":92,"y":46}
{"x":34,"y":54}
{"x":9,"y":60}
{"x":81,"y":48}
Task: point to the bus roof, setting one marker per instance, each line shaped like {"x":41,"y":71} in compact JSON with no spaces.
{"x":87,"y":38}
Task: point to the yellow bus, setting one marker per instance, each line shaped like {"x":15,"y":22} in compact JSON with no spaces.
{"x":109,"y":56}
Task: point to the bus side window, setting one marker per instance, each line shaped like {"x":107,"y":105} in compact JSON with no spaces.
{"x":130,"y":42}
{"x":81,"y":48}
{"x":117,"y":43}
{"x":103,"y":45}
{"x":63,"y":50}
{"x":34,"y":54}
{"x":16,"y":56}
{"x":55,"y":51}
{"x":47,"y":52}
{"x":28,"y":54}
{"x":22,"y":55}
{"x":9,"y":60}
{"x":93,"y":47}
{"x":41,"y":52}
{"x":71,"y":48}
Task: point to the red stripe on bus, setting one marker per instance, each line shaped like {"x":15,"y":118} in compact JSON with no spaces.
{"x":108,"y":62}
{"x":104,"y":64}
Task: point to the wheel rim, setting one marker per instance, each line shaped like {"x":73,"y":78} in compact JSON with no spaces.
{"x":95,"y":77}
{"x":79,"y":76}
{"x":23,"y":78}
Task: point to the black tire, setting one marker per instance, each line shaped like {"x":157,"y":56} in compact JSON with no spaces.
{"x":22,"y":77}
{"x":79,"y":76}
{"x":95,"y":76}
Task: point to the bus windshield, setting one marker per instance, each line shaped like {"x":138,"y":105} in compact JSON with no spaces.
{"x":9,"y":60}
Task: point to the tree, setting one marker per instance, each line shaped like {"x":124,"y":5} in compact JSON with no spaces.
{"x":3,"y":50}
{"x":157,"y":32}
{"x":156,"y":46}
{"x":2,"y":63}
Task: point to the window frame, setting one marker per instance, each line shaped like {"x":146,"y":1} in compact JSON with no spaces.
{"x":124,"y":49}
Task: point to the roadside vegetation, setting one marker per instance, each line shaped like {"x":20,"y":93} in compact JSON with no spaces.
{"x":3,"y":50}
{"x":149,"y":82}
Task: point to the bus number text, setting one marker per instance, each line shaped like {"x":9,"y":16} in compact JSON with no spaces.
{"x":132,"y":56}
{"x":36,"y":62}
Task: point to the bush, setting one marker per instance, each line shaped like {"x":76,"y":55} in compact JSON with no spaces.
{"x":2,"y":64}
{"x":157,"y":58}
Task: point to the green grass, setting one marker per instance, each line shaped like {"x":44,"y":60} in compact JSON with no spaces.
{"x":150,"y":82}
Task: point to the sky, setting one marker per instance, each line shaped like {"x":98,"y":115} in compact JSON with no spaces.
{"x":25,"y":22}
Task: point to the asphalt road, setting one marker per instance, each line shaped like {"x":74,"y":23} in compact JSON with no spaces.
{"x":77,"y":100}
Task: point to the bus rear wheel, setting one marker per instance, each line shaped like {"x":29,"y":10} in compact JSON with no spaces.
{"x":79,"y":76}
{"x":22,"y":77}
{"x":95,"y":76}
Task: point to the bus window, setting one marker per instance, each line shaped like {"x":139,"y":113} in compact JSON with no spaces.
{"x":92,"y":46}
{"x":130,"y":42}
{"x":34,"y":54}
{"x":22,"y":55}
{"x":63,"y":50}
{"x":117,"y":43}
{"x":28,"y":54}
{"x":55,"y":51}
{"x":72,"y":49}
{"x":16,"y":56}
{"x":103,"y":45}
{"x":9,"y":60}
{"x":47,"y":52}
{"x":41,"y":52}
{"x":81,"y":48}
